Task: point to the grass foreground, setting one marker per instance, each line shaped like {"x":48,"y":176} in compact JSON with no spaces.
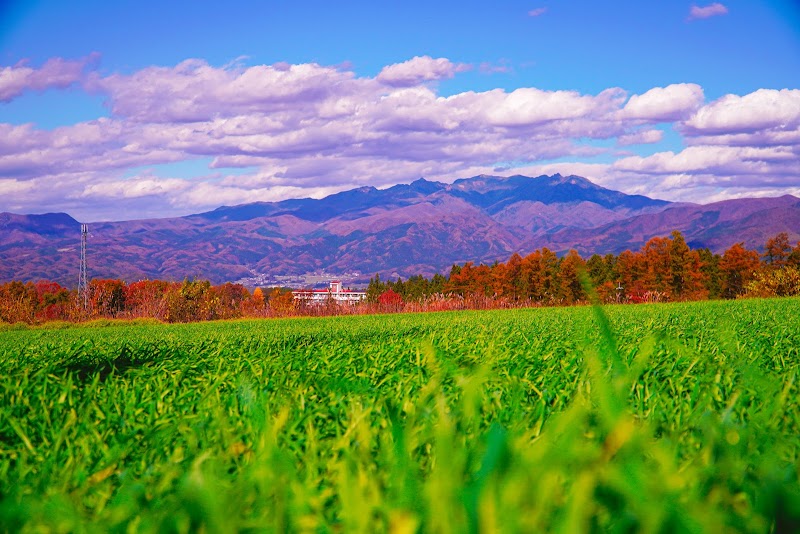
{"x":650,"y":418}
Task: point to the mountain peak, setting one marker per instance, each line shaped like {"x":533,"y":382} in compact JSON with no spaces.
{"x":580,"y":181}
{"x":363,"y":189}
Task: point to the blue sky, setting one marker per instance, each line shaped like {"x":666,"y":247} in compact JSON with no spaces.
{"x":104,"y":118}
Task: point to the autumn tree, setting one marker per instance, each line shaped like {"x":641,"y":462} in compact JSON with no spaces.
{"x":737,"y":267}
{"x":53,"y":301}
{"x":629,"y":272}
{"x":500,"y":286}
{"x":258,"y":298}
{"x":256,"y":304}
{"x":390,"y":300}
{"x":460,"y":279}
{"x":658,"y":272}
{"x":188,"y":301}
{"x":145,"y":298}
{"x":106,"y":297}
{"x":282,"y":302}
{"x":775,"y":283}
{"x":794,"y":257}
{"x":540,"y":276}
{"x":18,"y":302}
{"x":481,"y":281}
{"x":571,"y":268}
{"x":228,"y":300}
{"x":513,"y":283}
{"x":777,"y":250}
{"x":549,"y":283}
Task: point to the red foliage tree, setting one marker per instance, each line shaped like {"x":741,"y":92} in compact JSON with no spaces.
{"x":145,"y":298}
{"x":389,"y":300}
{"x":54,"y":301}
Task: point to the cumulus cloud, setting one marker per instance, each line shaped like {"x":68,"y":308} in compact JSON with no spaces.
{"x":764,"y":118}
{"x":311,"y":130}
{"x":704,"y":12}
{"x":195,"y":91}
{"x":764,"y":109}
{"x":528,"y":106}
{"x":665,"y":104}
{"x":419,"y":69}
{"x":55,"y":73}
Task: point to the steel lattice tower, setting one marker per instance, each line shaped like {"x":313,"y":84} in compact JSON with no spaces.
{"x":83,"y":278}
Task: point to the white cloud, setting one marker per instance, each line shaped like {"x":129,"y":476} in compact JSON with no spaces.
{"x":56,"y":72}
{"x":764,"y":109}
{"x":665,"y":104}
{"x":527,"y":106}
{"x":718,"y":160}
{"x":537,"y":12}
{"x":195,"y":91}
{"x":419,"y":69}
{"x":704,"y":12}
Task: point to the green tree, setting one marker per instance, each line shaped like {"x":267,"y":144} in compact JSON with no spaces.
{"x":680,"y":266}
{"x":709,"y":265}
{"x":375,"y":288}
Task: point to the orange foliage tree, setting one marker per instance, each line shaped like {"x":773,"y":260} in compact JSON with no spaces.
{"x":145,"y":298}
{"x":282,"y":303}
{"x":778,"y":250}
{"x":106,"y":297}
{"x":737,"y":268}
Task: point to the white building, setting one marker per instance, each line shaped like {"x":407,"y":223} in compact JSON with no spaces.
{"x":335,"y":292}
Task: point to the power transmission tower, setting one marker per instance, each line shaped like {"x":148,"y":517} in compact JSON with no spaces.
{"x":83,"y":278}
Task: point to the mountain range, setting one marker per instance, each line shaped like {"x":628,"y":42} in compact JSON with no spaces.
{"x":418,"y":228}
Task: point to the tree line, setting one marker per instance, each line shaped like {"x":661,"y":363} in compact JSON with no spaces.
{"x":664,"y":269}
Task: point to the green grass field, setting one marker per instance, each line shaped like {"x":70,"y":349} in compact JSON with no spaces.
{"x":653,"y":418}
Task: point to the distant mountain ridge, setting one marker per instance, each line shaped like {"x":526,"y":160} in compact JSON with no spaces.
{"x":418,"y":228}
{"x":490,"y":193}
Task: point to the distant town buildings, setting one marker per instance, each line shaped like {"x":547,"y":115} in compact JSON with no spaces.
{"x":335,"y":292}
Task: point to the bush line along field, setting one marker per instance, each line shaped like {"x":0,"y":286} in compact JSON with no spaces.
{"x":664,"y":270}
{"x":653,"y":418}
